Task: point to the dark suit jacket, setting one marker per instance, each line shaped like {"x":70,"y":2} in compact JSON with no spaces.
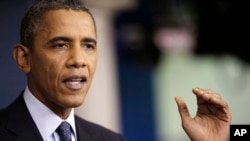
{"x":16,"y":124}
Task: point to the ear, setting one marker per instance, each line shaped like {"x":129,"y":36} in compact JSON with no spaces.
{"x":21,"y":55}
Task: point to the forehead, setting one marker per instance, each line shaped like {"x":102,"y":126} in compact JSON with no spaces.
{"x":67,"y":20}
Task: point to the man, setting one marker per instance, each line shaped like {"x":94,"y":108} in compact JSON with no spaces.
{"x":58,"y":52}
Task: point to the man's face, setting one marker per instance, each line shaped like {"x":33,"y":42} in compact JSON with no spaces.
{"x":63,"y":58}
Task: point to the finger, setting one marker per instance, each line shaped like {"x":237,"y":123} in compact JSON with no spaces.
{"x":211,"y":92}
{"x":214,"y":102}
{"x":183,"y":109}
{"x":208,"y":96}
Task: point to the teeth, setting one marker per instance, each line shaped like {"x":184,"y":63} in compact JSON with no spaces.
{"x":76,"y":79}
{"x":73,"y":82}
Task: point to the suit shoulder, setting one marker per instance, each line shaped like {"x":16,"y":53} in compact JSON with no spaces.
{"x":97,"y":131}
{"x":4,"y":134}
{"x":3,"y":117}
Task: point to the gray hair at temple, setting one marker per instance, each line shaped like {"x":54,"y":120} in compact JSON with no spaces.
{"x":34,"y":16}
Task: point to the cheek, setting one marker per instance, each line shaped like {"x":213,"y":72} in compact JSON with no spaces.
{"x":55,"y":70}
{"x":48,"y":69}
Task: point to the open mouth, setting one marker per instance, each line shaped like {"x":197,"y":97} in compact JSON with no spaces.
{"x":75,"y":82}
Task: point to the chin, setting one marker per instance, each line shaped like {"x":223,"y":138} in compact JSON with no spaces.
{"x":75,"y":103}
{"x":71,"y":105}
{"x":72,"y":100}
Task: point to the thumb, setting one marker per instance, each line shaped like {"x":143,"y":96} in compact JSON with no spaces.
{"x":183,"y":109}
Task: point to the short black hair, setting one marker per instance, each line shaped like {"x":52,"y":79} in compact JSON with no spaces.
{"x":33,"y":17}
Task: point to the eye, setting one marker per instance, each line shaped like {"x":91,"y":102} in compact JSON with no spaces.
{"x":89,"y":46}
{"x":60,"y":45}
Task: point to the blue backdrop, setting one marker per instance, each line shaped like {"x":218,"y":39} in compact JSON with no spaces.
{"x":12,"y":79}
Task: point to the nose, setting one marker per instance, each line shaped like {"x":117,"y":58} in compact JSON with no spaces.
{"x":76,"y":58}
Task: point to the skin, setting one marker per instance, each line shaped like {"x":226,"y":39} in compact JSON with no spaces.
{"x":64,"y":53}
{"x":212,"y":119}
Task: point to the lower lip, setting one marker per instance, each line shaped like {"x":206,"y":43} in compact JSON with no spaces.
{"x":74,"y":85}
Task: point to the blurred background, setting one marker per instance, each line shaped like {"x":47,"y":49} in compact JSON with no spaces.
{"x":149,"y":52}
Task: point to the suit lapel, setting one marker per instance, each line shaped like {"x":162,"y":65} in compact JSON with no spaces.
{"x":21,"y":123}
{"x":82,"y":134}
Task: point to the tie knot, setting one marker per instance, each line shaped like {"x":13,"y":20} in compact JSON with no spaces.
{"x":64,"y":131}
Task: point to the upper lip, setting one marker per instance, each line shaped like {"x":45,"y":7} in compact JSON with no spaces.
{"x":83,"y":78}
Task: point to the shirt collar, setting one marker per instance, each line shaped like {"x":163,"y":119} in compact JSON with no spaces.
{"x":46,"y":120}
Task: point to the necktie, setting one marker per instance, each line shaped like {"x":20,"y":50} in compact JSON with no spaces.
{"x":64,"y":131}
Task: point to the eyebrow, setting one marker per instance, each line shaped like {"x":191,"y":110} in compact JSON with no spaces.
{"x":67,"y":39}
{"x":91,"y":40}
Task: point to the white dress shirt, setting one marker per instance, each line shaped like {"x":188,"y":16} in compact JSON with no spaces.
{"x":45,"y":119}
